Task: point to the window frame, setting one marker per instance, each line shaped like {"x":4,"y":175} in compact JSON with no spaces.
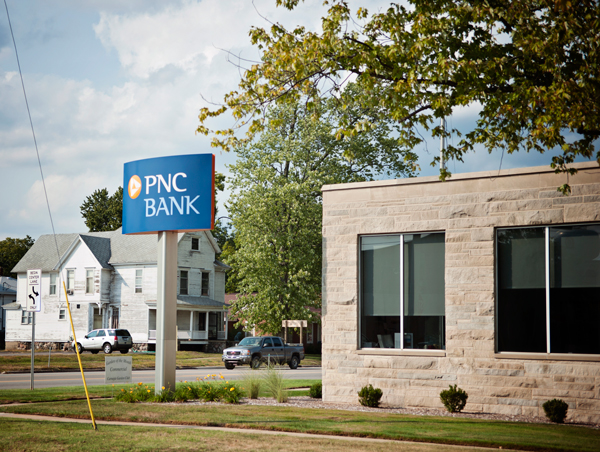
{"x":197,"y":242}
{"x":28,"y":315}
{"x":70,"y":271}
{"x":548,"y":354}
{"x":402,"y":350}
{"x":89,"y":281}
{"x":202,"y":293}
{"x":63,"y":312}
{"x":187,"y":282}
{"x":139,"y":281}
{"x":51,"y":292}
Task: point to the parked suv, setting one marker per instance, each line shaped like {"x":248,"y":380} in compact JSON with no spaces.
{"x":106,"y":340}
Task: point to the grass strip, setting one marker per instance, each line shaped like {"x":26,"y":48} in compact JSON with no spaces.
{"x":103,"y":391}
{"x":441,"y":430}
{"x":19,"y":435}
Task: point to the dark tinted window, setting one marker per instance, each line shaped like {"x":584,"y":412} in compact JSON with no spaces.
{"x":123,"y":333}
{"x":268,"y":342}
{"x":277,"y":342}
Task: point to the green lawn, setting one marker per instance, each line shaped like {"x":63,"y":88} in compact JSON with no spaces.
{"x":60,"y":360}
{"x":442,"y":430}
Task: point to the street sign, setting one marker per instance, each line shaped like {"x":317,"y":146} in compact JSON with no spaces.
{"x":117,"y":369}
{"x":34,"y":290}
{"x":173,"y":193}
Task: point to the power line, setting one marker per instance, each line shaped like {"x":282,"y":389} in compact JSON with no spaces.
{"x":32,"y":129}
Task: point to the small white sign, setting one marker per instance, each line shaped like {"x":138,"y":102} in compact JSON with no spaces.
{"x":34,"y":290}
{"x":117,"y":369}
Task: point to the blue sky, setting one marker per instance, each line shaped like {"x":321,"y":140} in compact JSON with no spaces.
{"x":110,"y":82}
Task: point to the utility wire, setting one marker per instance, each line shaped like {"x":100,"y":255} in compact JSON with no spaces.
{"x":32,"y":130}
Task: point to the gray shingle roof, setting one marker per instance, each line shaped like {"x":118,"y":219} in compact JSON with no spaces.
{"x":43,"y":252}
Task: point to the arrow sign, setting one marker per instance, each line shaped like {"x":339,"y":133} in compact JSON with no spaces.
{"x":34,"y":290}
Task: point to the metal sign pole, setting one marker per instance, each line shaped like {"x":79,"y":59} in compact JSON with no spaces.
{"x":166,"y":312}
{"x":32,"y":348}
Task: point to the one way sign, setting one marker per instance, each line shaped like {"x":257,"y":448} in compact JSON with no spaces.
{"x":34,"y":290}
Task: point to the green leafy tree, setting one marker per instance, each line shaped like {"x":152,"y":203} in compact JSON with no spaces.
{"x":11,"y":252}
{"x":532,"y":66}
{"x":276,"y":206}
{"x":103,"y":212}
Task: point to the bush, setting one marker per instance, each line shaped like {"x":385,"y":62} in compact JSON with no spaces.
{"x":252,"y":383}
{"x":138,"y":393}
{"x":454,"y":399}
{"x":165,"y":396}
{"x":274,"y":382}
{"x":556,"y":410}
{"x":316,"y":390}
{"x":370,"y":396}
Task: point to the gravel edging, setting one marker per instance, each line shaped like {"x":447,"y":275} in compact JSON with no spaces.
{"x":307,"y":402}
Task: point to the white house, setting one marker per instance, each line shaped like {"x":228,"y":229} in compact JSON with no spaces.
{"x":110,"y":280}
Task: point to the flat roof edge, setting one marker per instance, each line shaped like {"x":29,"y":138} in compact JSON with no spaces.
{"x":456,"y":177}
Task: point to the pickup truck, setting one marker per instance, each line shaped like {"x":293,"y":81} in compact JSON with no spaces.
{"x":258,"y":350}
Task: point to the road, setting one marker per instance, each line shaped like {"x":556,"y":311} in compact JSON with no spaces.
{"x":52,"y":379}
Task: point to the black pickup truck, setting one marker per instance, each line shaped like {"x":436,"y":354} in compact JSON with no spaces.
{"x":265,"y":349}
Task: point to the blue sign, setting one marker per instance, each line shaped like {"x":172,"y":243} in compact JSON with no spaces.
{"x":169,"y":194}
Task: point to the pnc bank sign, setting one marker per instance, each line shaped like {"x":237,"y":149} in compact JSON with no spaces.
{"x":169,"y":194}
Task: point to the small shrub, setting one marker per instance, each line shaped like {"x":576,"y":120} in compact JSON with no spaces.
{"x":370,"y":396}
{"x":183,"y":392}
{"x":316,"y":390}
{"x":252,"y":382}
{"x":556,"y":410}
{"x":165,"y":396}
{"x":137,"y":393}
{"x":232,"y":394}
{"x":454,"y":399}
{"x":273,"y":379}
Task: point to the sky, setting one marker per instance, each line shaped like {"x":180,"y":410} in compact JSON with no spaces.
{"x":112,"y":81}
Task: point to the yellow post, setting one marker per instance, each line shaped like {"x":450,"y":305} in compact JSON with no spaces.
{"x":78,"y":357}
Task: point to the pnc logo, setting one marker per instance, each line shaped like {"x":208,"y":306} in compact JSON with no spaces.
{"x":134,"y":187}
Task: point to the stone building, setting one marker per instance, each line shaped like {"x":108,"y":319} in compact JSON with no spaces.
{"x":111,"y":281}
{"x":490,"y":281}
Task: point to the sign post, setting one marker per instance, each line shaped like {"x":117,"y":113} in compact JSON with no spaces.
{"x":33,"y":304}
{"x":164,"y":196}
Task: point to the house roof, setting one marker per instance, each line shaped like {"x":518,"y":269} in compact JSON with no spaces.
{"x":109,"y":248}
{"x":12,"y":306}
{"x":189,"y":300}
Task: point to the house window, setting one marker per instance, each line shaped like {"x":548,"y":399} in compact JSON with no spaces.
{"x":71,"y":280}
{"x":195,"y":244}
{"x":26,"y":317}
{"x":548,"y":289}
{"x":138,"y":281}
{"x":402,"y":291}
{"x":53,"y":279}
{"x":89,"y":281}
{"x":183,"y":282}
{"x":205,"y":281}
{"x":62,"y":314}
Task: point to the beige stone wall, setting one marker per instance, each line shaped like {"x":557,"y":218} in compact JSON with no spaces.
{"x":467,"y":208}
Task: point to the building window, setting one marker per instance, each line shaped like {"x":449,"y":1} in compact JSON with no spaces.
{"x":89,"y":281}
{"x":402,"y":291}
{"x":62,"y":314}
{"x":205,"y":282}
{"x":548,"y":289}
{"x":183,"y":282}
{"x":26,"y":317}
{"x":70,"y":280}
{"x":138,"y":281}
{"x":195,"y":244}
{"x":53,"y":279}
